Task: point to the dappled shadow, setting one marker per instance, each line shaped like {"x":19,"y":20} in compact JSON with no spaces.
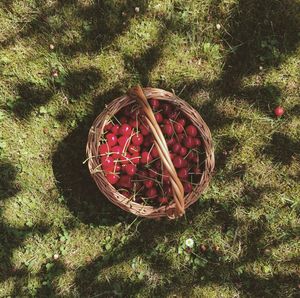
{"x":264,"y":97}
{"x":80,"y":82}
{"x":49,"y":279}
{"x":100,"y":22}
{"x":142,"y":242}
{"x":8,"y":187}
{"x":295,"y":111}
{"x":259,"y":36}
{"x":11,"y":239}
{"x":30,"y":96}
{"x":261,"y":32}
{"x":104,"y":21}
{"x":226,"y":147}
{"x":143,"y":65}
{"x":282,"y":149}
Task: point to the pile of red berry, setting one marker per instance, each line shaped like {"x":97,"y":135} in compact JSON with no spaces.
{"x":131,"y":162}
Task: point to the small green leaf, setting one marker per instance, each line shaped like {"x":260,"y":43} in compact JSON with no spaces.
{"x":42,"y":110}
{"x":49,"y":266}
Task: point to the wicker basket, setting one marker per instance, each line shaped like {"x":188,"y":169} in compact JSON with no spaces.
{"x":176,"y":207}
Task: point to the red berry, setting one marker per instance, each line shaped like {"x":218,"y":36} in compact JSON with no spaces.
{"x":154,"y":152}
{"x":148,"y":183}
{"x":173,"y":115}
{"x":123,"y":120}
{"x":158,"y":165}
{"x":116,"y":152}
{"x":154,"y":103}
{"x":148,"y":141}
{"x":163,"y":200}
{"x":125,"y":130}
{"x":123,"y":141}
{"x":180,"y":137}
{"x":187,"y":187}
{"x":178,"y":162}
{"x":191,"y":155}
{"x":178,"y":127}
{"x":142,"y":174}
{"x":191,"y":130}
{"x":151,"y":193}
{"x":167,"y":121}
{"x":171,"y":142}
{"x":145,"y":157}
{"x":115,"y":129}
{"x":112,"y":140}
{"x":183,"y":151}
{"x":133,"y":149}
{"x":104,"y":149}
{"x":168,"y":129}
{"x":124,"y":192}
{"x":137,"y":139}
{"x":172,"y":155}
{"x":152,"y":173}
{"x":181,"y":121}
{"x":125,"y":181}
{"x":130,"y":169}
{"x":279,"y":111}
{"x":117,"y":167}
{"x":196,"y":171}
{"x":108,"y":126}
{"x":112,"y":178}
{"x":109,"y":170}
{"x":159,"y":118}
{"x":107,"y":162}
{"x":167,"y":108}
{"x":197,"y":142}
{"x":168,"y":190}
{"x":144,"y":130}
{"x":133,"y":123}
{"x":189,"y":142}
{"x":125,"y":158}
{"x":183,"y":173}
{"x":135,"y":157}
{"x":176,"y":147}
{"x":165,"y":176}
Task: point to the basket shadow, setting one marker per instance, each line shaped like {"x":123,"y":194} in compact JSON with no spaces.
{"x":73,"y":178}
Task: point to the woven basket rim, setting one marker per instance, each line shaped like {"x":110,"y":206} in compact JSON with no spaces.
{"x":110,"y":192}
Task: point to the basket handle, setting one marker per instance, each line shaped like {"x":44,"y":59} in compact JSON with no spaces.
{"x":159,"y":140}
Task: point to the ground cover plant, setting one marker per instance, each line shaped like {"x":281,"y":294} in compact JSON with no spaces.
{"x":234,"y":61}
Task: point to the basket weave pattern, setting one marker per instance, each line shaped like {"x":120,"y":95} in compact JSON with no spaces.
{"x":179,"y":204}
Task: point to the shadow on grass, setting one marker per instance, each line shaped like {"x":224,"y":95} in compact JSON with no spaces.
{"x":81,"y":82}
{"x":101,"y":22}
{"x":30,"y":96}
{"x":73,"y":177}
{"x":258,"y":36}
{"x":282,"y":149}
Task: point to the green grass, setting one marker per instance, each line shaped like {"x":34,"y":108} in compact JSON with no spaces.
{"x":60,"y":237}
